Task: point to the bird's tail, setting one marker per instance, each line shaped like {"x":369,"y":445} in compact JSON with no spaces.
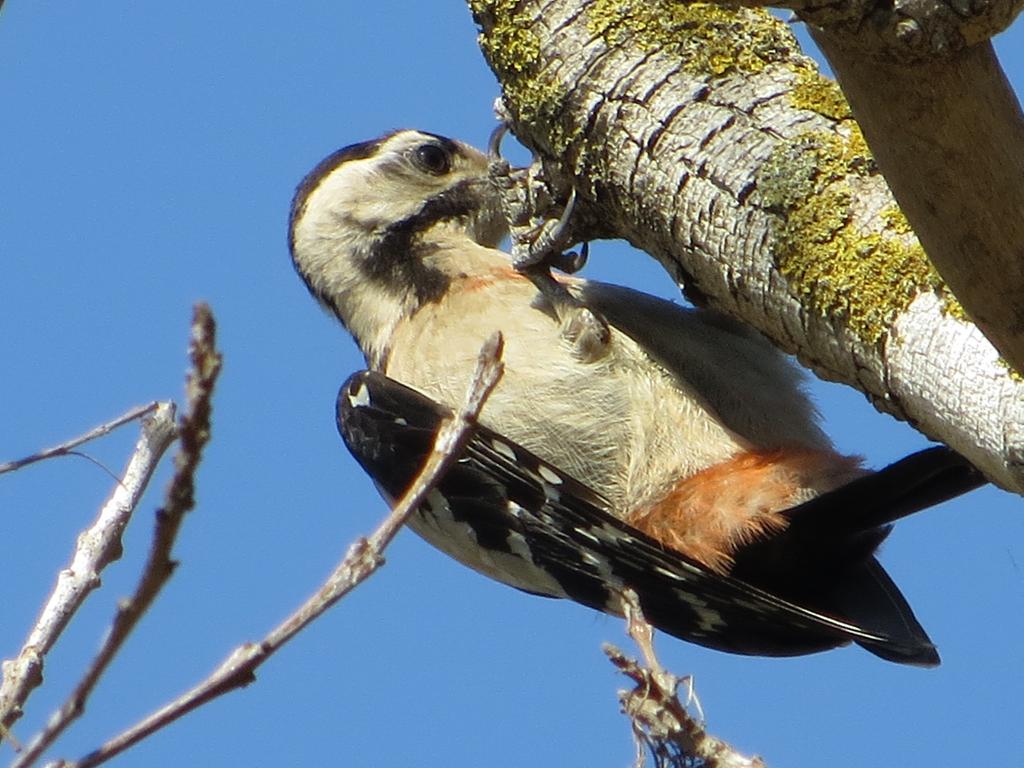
{"x":869,"y":598}
{"x":919,"y":481}
{"x":826,"y":559}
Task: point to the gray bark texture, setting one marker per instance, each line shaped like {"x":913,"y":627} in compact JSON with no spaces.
{"x":949,"y":136}
{"x":702,"y":135}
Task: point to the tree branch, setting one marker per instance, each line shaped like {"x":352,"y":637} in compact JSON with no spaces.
{"x":913,"y":31}
{"x":909,"y":32}
{"x":364,"y":557}
{"x":949,"y":136}
{"x":68,"y":448}
{"x":96,"y":547}
{"x":661,"y":723}
{"x":194,"y":433}
{"x":702,"y":136}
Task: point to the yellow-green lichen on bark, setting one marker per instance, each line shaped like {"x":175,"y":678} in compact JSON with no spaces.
{"x":866,"y":278}
{"x":819,"y":94}
{"x":896,"y":221}
{"x":708,"y":38}
{"x":513,"y":50}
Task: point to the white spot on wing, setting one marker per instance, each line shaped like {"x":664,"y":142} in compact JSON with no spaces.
{"x":517,"y":543}
{"x":592,"y":559}
{"x":504,"y":449}
{"x":361,"y":397}
{"x":604,"y":570}
{"x":458,"y":540}
{"x":669,"y":574}
{"x":748,"y":605}
{"x":692,"y":600}
{"x":587,"y":535}
{"x":549,"y":475}
{"x":709,"y":620}
{"x":550,"y":492}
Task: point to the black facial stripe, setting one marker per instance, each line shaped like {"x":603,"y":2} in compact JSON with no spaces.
{"x":455,"y":202}
{"x":400,"y":265}
{"x":397,"y":258}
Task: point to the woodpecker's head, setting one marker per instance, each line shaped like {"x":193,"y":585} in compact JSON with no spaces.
{"x":366,"y":221}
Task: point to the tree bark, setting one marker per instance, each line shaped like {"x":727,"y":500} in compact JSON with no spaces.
{"x":949,"y":136}
{"x":704,"y":137}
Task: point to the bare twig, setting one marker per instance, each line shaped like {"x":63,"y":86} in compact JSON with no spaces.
{"x":97,"y":546}
{"x":69,"y":447}
{"x":363,"y":558}
{"x":661,"y":723}
{"x":194,"y":433}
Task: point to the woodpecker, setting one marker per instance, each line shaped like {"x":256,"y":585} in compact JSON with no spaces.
{"x":673,"y":451}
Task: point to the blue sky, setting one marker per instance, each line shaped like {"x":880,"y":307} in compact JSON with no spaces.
{"x":149,"y":154}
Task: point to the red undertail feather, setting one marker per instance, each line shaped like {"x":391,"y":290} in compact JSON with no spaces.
{"x":711,"y":514}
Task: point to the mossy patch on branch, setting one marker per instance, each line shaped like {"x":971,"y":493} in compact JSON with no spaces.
{"x":710,"y":39}
{"x":513,"y":49}
{"x":819,"y":94}
{"x":865,"y":272}
{"x":867,"y":278}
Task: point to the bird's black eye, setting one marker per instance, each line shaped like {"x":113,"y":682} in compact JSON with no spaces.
{"x":433,"y":159}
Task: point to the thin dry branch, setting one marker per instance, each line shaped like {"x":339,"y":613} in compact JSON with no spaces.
{"x":661,"y":723}
{"x":364,"y":557}
{"x":97,"y":546}
{"x":68,"y":448}
{"x":194,"y":433}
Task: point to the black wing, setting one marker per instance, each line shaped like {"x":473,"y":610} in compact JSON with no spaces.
{"x":563,"y":542}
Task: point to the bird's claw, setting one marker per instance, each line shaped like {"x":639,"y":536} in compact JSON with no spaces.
{"x":540,"y":244}
{"x":494,"y":143}
{"x":571,"y":262}
{"x":547,"y":243}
